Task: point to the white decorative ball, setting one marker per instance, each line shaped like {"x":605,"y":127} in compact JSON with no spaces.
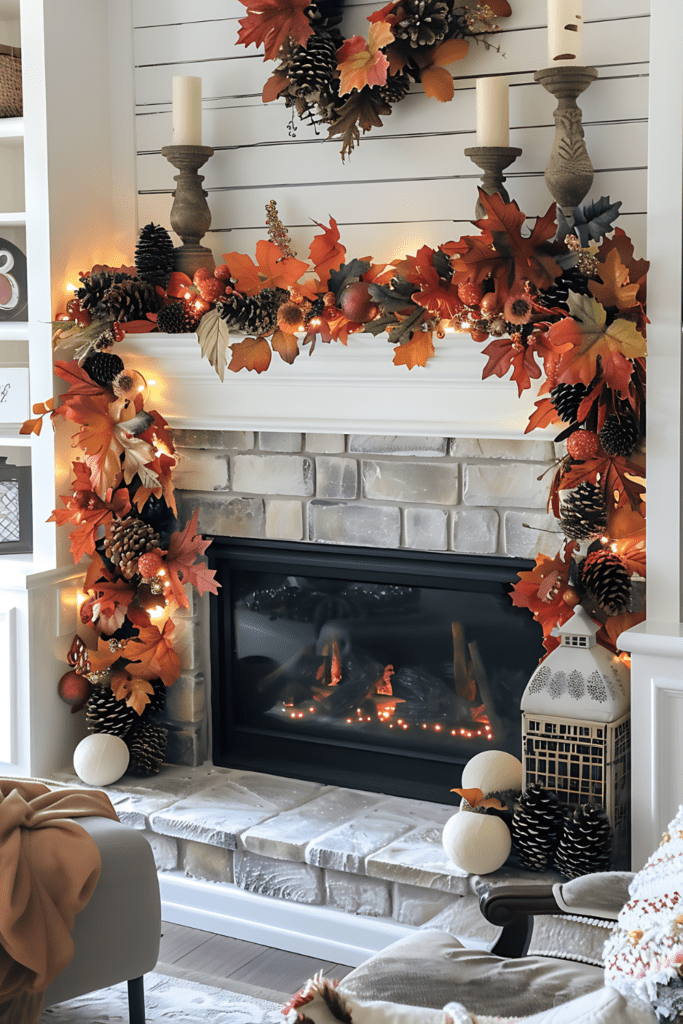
{"x":478,"y":843}
{"x":101,"y":759}
{"x":492,"y":771}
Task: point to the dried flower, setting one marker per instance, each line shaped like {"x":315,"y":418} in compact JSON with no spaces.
{"x":518,"y":310}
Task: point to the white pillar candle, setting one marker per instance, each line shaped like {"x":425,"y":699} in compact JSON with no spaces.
{"x":493,"y":114}
{"x":187,"y":111}
{"x":565,"y":32}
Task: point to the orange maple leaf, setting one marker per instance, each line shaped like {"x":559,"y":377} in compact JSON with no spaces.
{"x":505,"y":354}
{"x":245,"y":272}
{"x":361,"y":62}
{"x":535,"y":591}
{"x":436,"y":295}
{"x":436,"y":80}
{"x":614,"y":288}
{"x":627,"y":532}
{"x":545,"y":414}
{"x":132,"y":689}
{"x":415,"y":352}
{"x":274,"y":271}
{"x":637,"y":269}
{"x":326,"y":252}
{"x":286,"y":345}
{"x":271,"y":21}
{"x":623,"y":479}
{"x":250,"y":354}
{"x":184,"y":548}
{"x":152,"y":654}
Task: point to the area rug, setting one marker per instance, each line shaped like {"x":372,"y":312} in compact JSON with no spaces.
{"x":167,"y":1000}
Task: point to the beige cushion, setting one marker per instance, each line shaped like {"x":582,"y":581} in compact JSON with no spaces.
{"x":432,"y":969}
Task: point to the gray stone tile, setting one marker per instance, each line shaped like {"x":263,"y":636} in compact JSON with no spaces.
{"x":187,"y":644}
{"x":199,"y":470}
{"x":530,"y":533}
{"x":219,"y":813}
{"x":287,"y":836}
{"x":475,"y":531}
{"x":165,"y":850}
{"x":240,"y":440}
{"x":298,"y":883}
{"x":511,"y":485}
{"x":395,"y":444}
{"x":186,"y":744}
{"x":325,"y":444}
{"x":223,"y":517}
{"x":278,"y":441}
{"x":273,"y":474}
{"x":437,"y":484}
{"x":186,"y":699}
{"x":336,"y":478}
{"x":210,"y":863}
{"x":522,"y":450}
{"x":369,"y":897}
{"x":418,"y":858}
{"x":416,"y":906}
{"x":367,"y":525}
{"x":426,"y":528}
{"x":284,"y":520}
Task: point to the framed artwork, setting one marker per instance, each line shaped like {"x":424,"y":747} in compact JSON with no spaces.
{"x":13,"y":288}
{"x":16,"y":526}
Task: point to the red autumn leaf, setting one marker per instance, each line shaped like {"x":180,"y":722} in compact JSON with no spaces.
{"x":250,"y":354}
{"x":514,"y":258}
{"x":533,"y":587}
{"x":135,"y":691}
{"x":286,"y":345}
{"x":138,"y":326}
{"x":88,"y":512}
{"x":545,"y":414}
{"x":438,"y":296}
{"x":159,"y":431}
{"x":340,"y":326}
{"x":627,"y":533}
{"x":623,"y":479}
{"x":362,"y":63}
{"x":178,"y":285}
{"x":274,"y":86}
{"x":180,"y":562}
{"x":383,"y":13}
{"x":152,"y":655}
{"x":78,"y":380}
{"x":326,"y":252}
{"x":504,"y":354}
{"x":591,"y":338}
{"x":415,"y":352}
{"x":269,"y":22}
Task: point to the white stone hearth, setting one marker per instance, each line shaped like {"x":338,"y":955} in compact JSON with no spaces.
{"x":275,"y":847}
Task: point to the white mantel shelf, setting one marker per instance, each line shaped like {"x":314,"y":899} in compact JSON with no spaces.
{"x":339,"y":389}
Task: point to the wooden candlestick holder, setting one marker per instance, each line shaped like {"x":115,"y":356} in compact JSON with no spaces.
{"x":493,"y":160}
{"x":190,"y":214}
{"x":569,"y":174}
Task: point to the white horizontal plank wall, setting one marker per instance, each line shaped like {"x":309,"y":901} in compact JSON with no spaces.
{"x":407,"y":183}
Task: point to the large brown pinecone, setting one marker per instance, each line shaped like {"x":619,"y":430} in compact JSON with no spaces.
{"x":583,"y":513}
{"x":126,"y":540}
{"x":104,"y":713}
{"x":93,"y":289}
{"x":147,"y":746}
{"x":396,"y":88}
{"x":129,"y":299}
{"x":311,"y":68}
{"x":424,"y":22}
{"x":604,"y":575}
{"x":254,"y":314}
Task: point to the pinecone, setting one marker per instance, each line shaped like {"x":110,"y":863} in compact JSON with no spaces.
{"x":424,"y":22}
{"x":104,"y":713}
{"x":572,"y":280}
{"x":567,"y":398}
{"x":154,"y":255}
{"x":311,"y":67}
{"x":125,"y":540}
{"x":253,"y":314}
{"x":397,"y":86}
{"x":176,"y":318}
{"x":147,"y":747}
{"x":586,"y":842}
{"x":536,"y":827}
{"x":103,"y":367}
{"x":128,"y":299}
{"x":619,"y":435}
{"x":157,"y":700}
{"x":583,"y":513}
{"x":604,"y":575}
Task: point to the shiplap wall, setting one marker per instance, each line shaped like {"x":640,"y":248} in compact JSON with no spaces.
{"x":407,"y":183}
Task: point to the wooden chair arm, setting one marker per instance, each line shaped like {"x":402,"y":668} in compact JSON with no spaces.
{"x":513,"y":908}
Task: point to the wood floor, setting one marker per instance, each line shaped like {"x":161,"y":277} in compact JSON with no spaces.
{"x":245,"y":967}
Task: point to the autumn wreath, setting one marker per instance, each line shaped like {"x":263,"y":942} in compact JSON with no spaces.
{"x":351,"y":84}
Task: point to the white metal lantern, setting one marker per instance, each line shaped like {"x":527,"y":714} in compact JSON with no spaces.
{"x":576,"y":726}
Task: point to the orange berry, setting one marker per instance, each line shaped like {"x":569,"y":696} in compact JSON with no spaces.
{"x":149,"y":564}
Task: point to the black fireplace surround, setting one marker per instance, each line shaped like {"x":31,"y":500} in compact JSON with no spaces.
{"x":378,"y":670}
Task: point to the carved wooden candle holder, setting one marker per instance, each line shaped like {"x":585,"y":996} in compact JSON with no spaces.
{"x":190,"y":214}
{"x":493,"y":160}
{"x":569,"y":174}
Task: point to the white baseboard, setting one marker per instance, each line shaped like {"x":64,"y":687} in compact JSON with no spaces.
{"x":226,"y":909}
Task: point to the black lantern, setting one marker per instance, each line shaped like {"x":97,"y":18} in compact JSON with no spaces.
{"x":16,"y":527}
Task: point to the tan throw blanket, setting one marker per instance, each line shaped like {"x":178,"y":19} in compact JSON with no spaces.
{"x":49,"y":867}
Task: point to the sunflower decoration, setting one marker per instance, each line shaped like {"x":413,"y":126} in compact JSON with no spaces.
{"x":351,"y":84}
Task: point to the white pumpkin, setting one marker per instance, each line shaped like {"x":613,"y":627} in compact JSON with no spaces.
{"x":101,"y":759}
{"x":492,"y":771}
{"x":477,"y":843}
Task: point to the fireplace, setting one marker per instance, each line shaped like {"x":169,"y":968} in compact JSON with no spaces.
{"x":383,"y":671}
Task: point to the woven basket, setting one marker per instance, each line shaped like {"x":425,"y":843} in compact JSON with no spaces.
{"x":11,"y":104}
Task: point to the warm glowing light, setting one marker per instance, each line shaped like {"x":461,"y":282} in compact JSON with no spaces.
{"x":614,"y":546}
{"x":349,"y":720}
{"x":424,"y":725}
{"x":293,"y":715}
{"x":162,"y":572}
{"x":311,"y":709}
{"x":437,"y":728}
{"x":188,"y":295}
{"x":151,"y":383}
{"x":400,"y":721}
{"x":452,"y":732}
{"x":71,"y":287}
{"x":141,"y":388}
{"x":81,"y":598}
{"x":156,"y":613}
{"x":603,"y":540}
{"x":405,"y":726}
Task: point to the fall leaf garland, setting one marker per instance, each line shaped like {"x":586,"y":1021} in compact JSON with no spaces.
{"x":350,"y":84}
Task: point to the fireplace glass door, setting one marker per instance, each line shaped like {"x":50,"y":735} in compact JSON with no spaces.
{"x":383,"y":671}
